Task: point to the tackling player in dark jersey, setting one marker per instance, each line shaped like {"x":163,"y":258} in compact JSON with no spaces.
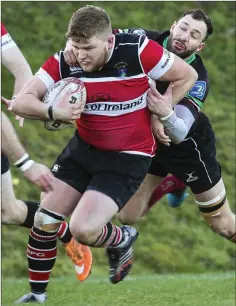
{"x":191,"y":156}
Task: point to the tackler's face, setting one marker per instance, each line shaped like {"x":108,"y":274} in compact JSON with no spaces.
{"x":186,"y":36}
{"x":93,"y":53}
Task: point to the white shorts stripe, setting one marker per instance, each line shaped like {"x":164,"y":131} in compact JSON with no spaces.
{"x":199,"y":154}
{"x":137,"y":152}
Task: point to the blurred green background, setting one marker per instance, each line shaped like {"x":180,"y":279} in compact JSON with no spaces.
{"x":171,"y":240}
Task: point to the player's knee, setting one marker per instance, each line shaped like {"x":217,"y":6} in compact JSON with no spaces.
{"x":8,"y":213}
{"x":133,"y":210}
{"x":224,"y":226}
{"x":47,"y":221}
{"x":82,"y":231}
{"x":6,"y":216}
{"x":219,"y":216}
{"x":128,"y":219}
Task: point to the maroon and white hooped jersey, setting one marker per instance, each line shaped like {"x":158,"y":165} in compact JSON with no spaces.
{"x":6,"y":41}
{"x":116,"y":116}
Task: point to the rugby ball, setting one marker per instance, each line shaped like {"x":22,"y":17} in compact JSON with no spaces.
{"x":64,"y":92}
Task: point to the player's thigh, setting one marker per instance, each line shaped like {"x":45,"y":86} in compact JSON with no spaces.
{"x":92,"y":213}
{"x":123,"y":178}
{"x":117,"y":176}
{"x":7,"y":193}
{"x":5,"y":165}
{"x":71,"y":180}
{"x":62,"y":199}
{"x":139,"y":201}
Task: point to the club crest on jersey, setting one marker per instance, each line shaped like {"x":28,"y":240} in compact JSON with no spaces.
{"x":199,"y":89}
{"x":122,"y":69}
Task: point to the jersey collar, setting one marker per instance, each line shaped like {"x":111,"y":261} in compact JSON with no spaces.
{"x":189,"y":60}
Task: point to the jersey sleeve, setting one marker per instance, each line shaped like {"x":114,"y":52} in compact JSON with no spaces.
{"x":6,"y":40}
{"x":49,"y":73}
{"x":155,"y":60}
{"x":198,"y":94}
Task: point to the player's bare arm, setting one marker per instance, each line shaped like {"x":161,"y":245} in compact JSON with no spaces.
{"x":28,"y":104}
{"x":19,"y":68}
{"x":38,"y":174}
{"x":183,"y":77}
{"x":11,"y":145}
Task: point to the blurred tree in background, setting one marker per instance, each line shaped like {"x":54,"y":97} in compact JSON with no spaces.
{"x":171,"y":240}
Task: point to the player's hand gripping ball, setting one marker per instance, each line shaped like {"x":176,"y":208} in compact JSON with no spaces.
{"x":60,"y":95}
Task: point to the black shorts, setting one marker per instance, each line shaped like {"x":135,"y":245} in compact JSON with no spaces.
{"x":84,"y":167}
{"x":5,"y":166}
{"x":192,"y":161}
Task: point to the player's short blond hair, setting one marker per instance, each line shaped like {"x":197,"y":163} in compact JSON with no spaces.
{"x":87,"y":22}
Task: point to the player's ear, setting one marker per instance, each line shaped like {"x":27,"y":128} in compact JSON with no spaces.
{"x":173,"y":26}
{"x":111,"y":41}
{"x":200,"y":47}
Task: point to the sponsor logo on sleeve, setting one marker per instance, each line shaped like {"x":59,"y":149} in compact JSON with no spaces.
{"x":167,"y":55}
{"x":199,"y":89}
{"x":7,"y":42}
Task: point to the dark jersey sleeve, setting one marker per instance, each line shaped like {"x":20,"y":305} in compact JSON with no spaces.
{"x":198,"y":94}
{"x":150,"y":34}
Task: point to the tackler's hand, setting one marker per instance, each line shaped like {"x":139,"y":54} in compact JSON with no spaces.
{"x":69,"y":54}
{"x":158,"y":104}
{"x":159,"y":132}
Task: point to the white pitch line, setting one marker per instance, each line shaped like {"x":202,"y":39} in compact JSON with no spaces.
{"x":159,"y":277}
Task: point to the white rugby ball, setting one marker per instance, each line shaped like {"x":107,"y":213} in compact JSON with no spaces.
{"x":70,"y":90}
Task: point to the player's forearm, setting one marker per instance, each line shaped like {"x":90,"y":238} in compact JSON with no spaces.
{"x":11,"y":145}
{"x":183,"y":85}
{"x":178,"y":123}
{"x":182,"y":76}
{"x":16,"y":64}
{"x":22,"y":74}
{"x":28,"y":106}
{"x":175,"y":128}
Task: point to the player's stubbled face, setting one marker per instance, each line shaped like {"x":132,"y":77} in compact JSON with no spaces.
{"x":91,"y":53}
{"x":186,"y":36}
